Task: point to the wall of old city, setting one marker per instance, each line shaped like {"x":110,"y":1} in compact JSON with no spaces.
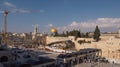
{"x":108,"y":44}
{"x":50,"y":39}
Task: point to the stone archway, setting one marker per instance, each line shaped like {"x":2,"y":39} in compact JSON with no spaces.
{"x":3,"y":59}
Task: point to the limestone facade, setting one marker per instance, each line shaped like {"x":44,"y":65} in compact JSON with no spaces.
{"x":110,"y":45}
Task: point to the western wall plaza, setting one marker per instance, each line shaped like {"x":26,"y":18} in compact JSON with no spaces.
{"x":59,"y":33}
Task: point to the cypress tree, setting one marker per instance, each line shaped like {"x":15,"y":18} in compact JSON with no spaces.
{"x":96,"y":34}
{"x":87,"y":35}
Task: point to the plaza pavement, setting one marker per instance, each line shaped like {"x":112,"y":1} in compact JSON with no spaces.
{"x":97,"y":65}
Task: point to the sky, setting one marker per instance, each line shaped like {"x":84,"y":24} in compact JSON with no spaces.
{"x":63,"y":15}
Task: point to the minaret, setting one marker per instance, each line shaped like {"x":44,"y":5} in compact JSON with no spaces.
{"x":35,"y":29}
{"x":35,"y":32}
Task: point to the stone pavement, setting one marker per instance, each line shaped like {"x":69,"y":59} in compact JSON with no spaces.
{"x":97,"y":65}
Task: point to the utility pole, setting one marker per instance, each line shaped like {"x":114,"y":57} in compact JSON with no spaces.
{"x":5,"y":26}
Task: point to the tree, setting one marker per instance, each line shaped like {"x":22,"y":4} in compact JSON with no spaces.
{"x":87,"y":35}
{"x":78,"y":34}
{"x":56,"y":34}
{"x":96,"y":34}
{"x":75,"y":33}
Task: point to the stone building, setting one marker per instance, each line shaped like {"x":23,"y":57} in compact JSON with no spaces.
{"x":5,"y":54}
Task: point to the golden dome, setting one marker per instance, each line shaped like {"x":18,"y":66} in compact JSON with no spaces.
{"x":53,"y":30}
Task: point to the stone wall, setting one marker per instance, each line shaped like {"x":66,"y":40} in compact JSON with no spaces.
{"x":55,"y":39}
{"x":6,"y":53}
{"x":109,"y":47}
{"x":108,"y":44}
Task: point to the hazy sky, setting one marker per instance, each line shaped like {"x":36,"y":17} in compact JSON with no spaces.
{"x":61,"y":14}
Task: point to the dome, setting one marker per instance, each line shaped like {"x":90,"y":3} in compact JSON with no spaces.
{"x":53,"y":30}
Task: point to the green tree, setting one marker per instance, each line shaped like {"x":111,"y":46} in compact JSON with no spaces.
{"x":56,"y":34}
{"x":78,"y":34}
{"x":87,"y":35}
{"x":75,"y":33}
{"x":96,"y":34}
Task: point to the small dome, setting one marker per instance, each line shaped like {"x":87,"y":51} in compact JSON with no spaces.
{"x":53,"y":30}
